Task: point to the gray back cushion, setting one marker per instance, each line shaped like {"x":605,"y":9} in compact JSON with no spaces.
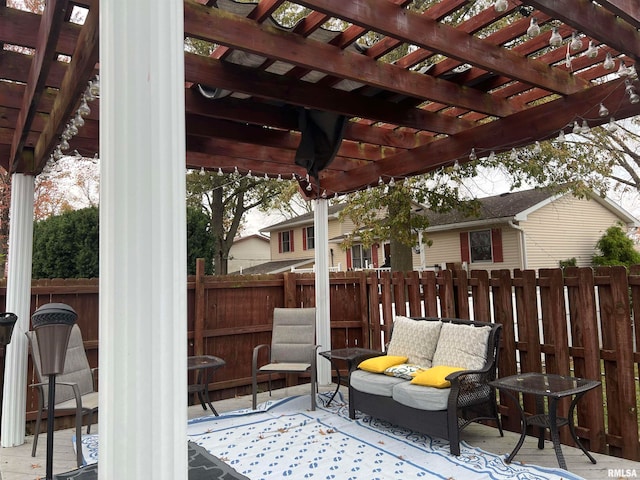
{"x":294,"y":335}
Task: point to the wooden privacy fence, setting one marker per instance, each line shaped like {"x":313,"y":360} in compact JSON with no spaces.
{"x":574,"y":322}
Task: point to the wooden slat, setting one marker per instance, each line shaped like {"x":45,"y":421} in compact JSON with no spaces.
{"x":50,"y":23}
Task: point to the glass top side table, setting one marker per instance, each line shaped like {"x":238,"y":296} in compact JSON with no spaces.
{"x":554,"y":387}
{"x":205,"y":365}
{"x":353,"y":356}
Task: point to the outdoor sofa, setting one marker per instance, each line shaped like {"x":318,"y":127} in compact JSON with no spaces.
{"x":433,"y":378}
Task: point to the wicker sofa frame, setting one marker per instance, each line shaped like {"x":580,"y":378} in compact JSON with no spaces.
{"x":471,"y":398}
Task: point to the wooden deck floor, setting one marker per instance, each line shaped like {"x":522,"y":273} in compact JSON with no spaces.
{"x":17,"y":464}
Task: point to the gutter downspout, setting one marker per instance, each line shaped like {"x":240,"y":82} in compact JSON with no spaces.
{"x":523,"y":243}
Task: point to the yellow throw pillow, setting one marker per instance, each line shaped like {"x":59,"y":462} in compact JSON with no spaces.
{"x":435,"y":376}
{"x":381,"y":363}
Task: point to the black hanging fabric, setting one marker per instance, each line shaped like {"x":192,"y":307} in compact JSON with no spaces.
{"x":321,"y":138}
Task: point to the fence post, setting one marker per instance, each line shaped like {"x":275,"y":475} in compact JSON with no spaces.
{"x":503,"y":314}
{"x":617,"y":344}
{"x":586,"y":352}
{"x":290,"y":293}
{"x":198,"y":321}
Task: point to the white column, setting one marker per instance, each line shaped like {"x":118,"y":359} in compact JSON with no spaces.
{"x":323,"y":327}
{"x":143,"y":328}
{"x":14,"y":391}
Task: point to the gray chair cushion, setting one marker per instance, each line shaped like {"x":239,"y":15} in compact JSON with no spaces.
{"x":374,"y":383}
{"x":418,"y":396}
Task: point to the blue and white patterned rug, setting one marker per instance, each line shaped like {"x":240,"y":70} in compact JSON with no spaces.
{"x":284,"y":439}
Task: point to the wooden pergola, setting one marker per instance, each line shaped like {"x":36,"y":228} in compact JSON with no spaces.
{"x":479,"y":83}
{"x":399,"y":92}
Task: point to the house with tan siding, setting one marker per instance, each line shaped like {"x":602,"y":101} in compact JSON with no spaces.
{"x":531,"y":229}
{"x":247,"y":252}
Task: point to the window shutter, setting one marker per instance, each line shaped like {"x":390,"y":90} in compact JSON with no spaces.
{"x":464,"y":247}
{"x":349,"y":261}
{"x":304,"y":238}
{"x":496,"y":245}
{"x":291,"y":240}
{"x":374,"y":255}
{"x":279,"y":242}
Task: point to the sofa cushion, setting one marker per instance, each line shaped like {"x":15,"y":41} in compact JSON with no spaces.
{"x":381,"y":363}
{"x":424,"y":398}
{"x":404,"y":370}
{"x":435,"y":376}
{"x":417,"y":339}
{"x":374,"y":383}
{"x":462,"y":345}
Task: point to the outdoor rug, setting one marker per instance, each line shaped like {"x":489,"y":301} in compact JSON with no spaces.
{"x":283,"y":439}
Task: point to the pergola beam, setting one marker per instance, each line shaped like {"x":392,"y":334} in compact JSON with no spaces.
{"x":83,"y":62}
{"x":49,"y":29}
{"x":626,"y":9}
{"x":541,"y":122}
{"x":266,"y":85}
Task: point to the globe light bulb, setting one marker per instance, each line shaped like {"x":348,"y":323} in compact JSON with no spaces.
{"x":220,"y":172}
{"x":472,"y":156}
{"x":622,"y":70}
{"x":534,"y":29}
{"x":634,"y":97}
{"x":202,"y":172}
{"x":592,"y":51}
{"x":84,"y":109}
{"x":561,"y":137}
{"x":78,"y":120}
{"x":492,"y":156}
{"x":501,"y":6}
{"x":576,"y":127}
{"x":603,"y":111}
{"x":611,"y":126}
{"x":555,"y":40}
{"x":609,"y":63}
{"x":585,"y":127}
{"x":576,"y":43}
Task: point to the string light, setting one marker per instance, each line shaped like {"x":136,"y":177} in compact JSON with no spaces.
{"x":534,"y":29}
{"x":576,"y":43}
{"x":609,"y":63}
{"x":592,"y":50}
{"x":555,"y":40}
{"x":501,"y":6}
{"x":603,"y":111}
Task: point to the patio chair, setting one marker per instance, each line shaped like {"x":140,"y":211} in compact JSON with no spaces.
{"x":76,"y":389}
{"x":292,"y":349}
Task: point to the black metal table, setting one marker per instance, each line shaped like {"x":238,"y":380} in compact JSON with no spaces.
{"x":554,"y":387}
{"x":204,"y":365}
{"x":351,"y":355}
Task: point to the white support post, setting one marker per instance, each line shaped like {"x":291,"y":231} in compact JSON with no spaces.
{"x":323,"y":317}
{"x":14,"y":392}
{"x":143,"y":280}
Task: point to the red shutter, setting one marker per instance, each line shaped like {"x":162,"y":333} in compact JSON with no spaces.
{"x":374,"y":255}
{"x":496,"y":245}
{"x":279,"y":242}
{"x":349,"y":261}
{"x":291,"y":240}
{"x":304,"y":238}
{"x":464,"y":247}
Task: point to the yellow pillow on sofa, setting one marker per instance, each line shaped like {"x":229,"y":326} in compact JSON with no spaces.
{"x":381,"y":363}
{"x":435,"y":376}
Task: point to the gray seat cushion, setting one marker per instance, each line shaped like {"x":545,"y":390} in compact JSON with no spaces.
{"x":374,"y":383}
{"x":418,"y":396}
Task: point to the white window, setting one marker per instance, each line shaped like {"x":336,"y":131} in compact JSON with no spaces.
{"x":360,"y":256}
